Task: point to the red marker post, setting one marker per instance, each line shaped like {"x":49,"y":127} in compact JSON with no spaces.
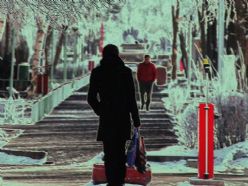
{"x":91,"y":65}
{"x":161,"y":75}
{"x":206,"y":141}
{"x":206,"y":147}
{"x":101,"y":41}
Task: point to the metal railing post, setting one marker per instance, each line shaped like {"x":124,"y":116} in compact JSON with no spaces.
{"x":12,"y":62}
{"x":65,"y":58}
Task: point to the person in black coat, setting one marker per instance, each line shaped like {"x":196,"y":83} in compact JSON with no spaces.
{"x":111,"y":95}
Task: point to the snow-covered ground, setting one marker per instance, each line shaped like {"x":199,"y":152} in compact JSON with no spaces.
{"x":164,"y":167}
{"x":19,"y":160}
{"x":233,"y":158}
{"x":91,"y":184}
{"x":5,"y":137}
{"x":229,"y":158}
{"x":12,"y":159}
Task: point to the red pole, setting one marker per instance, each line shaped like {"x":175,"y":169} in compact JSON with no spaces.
{"x":206,"y":141}
{"x":101,"y":38}
{"x":91,"y":65}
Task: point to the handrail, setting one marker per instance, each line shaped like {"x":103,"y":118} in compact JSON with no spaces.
{"x":41,"y":106}
{"x":210,"y":61}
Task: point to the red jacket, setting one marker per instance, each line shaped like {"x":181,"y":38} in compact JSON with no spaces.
{"x":146,"y":72}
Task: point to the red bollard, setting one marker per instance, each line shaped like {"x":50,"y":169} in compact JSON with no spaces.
{"x":91,"y":65}
{"x":42,"y":84}
{"x":161,"y":75}
{"x":39,"y":84}
{"x":45,"y":84}
{"x":206,"y":141}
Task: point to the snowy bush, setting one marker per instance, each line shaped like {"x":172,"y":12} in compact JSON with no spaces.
{"x":230,"y":127}
{"x":187,"y":126}
{"x":178,"y":96}
{"x":230,"y":105}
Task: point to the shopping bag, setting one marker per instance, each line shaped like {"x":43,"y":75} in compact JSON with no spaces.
{"x":132,"y":149}
{"x":140,"y":161}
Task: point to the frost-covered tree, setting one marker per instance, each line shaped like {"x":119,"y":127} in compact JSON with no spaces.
{"x":145,"y":21}
{"x":66,"y":11}
{"x":236,"y":37}
{"x":45,"y":15}
{"x":175,"y":17}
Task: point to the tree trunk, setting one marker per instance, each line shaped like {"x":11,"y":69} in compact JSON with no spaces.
{"x":237,"y":33}
{"x":59,"y":46}
{"x":6,"y":52}
{"x":241,"y":28}
{"x":2,"y":25}
{"x":47,"y":49}
{"x":37,"y":50}
{"x":7,"y":36}
{"x":2,"y":28}
{"x":201,"y":18}
{"x":175,"y":16}
{"x":184,"y":53}
{"x":211,"y":43}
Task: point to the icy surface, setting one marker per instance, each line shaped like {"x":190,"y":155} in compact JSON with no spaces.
{"x":173,"y":151}
{"x":233,"y":157}
{"x":94,"y":160}
{"x":171,"y":167}
{"x":5,"y":137}
{"x":186,"y":183}
{"x":91,"y":184}
{"x":226,"y":159}
{"x":19,"y":160}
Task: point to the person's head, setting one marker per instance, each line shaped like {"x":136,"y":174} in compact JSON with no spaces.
{"x":147,"y":59}
{"x":110,"y":51}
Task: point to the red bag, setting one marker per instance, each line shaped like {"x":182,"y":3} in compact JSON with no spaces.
{"x":140,"y":161}
{"x":132,"y":175}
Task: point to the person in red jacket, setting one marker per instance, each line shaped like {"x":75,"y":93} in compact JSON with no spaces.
{"x":146,"y":75}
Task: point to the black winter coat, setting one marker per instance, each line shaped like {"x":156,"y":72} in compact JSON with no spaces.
{"x":112,"y":97}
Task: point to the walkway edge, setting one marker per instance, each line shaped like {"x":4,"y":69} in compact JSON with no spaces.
{"x":46,"y":104}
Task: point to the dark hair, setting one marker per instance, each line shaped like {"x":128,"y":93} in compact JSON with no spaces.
{"x":146,"y":56}
{"x":110,"y":56}
{"x":110,"y":51}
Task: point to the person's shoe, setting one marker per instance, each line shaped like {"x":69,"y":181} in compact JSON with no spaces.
{"x":147,"y":108}
{"x":141,"y":107}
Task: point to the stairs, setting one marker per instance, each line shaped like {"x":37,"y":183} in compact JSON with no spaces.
{"x":68,"y":134}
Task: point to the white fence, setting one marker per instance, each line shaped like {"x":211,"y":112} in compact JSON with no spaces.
{"x":22,"y":111}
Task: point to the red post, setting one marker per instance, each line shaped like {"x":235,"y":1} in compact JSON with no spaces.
{"x":45,"y":84}
{"x":39,"y":84}
{"x":161,"y":76}
{"x":206,"y":141}
{"x":42,"y":84}
{"x":101,"y":38}
{"x":91,"y":65}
